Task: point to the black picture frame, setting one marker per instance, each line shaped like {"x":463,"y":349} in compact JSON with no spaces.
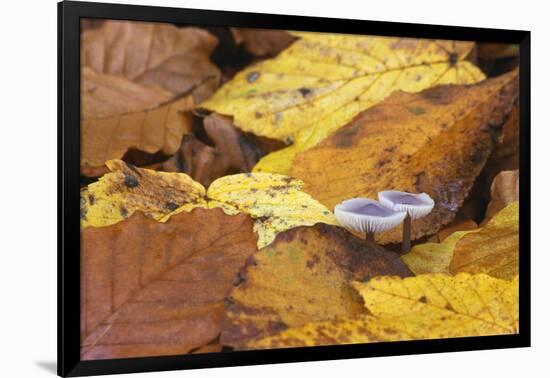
{"x":69,"y":15}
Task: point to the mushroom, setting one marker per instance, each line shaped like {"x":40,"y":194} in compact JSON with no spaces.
{"x":368,"y":216}
{"x":415,"y":205}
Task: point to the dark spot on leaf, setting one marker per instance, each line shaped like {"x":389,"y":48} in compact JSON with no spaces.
{"x":258,"y":115}
{"x":423,"y":299}
{"x":124,"y":212}
{"x":171,"y":206}
{"x":382,"y":162}
{"x":91,"y":199}
{"x":304,"y":91}
{"x":389,"y":149}
{"x":130,"y":181}
{"x":449,"y":307}
{"x":252,"y":76}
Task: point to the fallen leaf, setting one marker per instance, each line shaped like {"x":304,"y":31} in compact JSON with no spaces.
{"x":117,"y":195}
{"x":153,"y":54}
{"x":435,"y":142}
{"x":232,"y":152}
{"x":494,"y":249}
{"x":422,"y":307}
{"x":504,"y":190}
{"x":322,"y":81}
{"x":138,"y":81}
{"x":262,"y":42}
{"x":433,"y":257}
{"x":150,"y":288}
{"x":303,"y":276}
{"x":457,"y":225}
{"x":275,"y":202}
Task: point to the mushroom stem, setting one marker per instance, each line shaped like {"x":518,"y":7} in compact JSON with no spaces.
{"x":406,"y":244}
{"x":370,"y":236}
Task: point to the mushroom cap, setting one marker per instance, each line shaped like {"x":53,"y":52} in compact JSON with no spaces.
{"x":416,"y":205}
{"x":366,"y":215}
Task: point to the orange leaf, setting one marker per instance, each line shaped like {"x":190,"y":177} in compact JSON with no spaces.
{"x":436,"y":141}
{"x":150,"y":288}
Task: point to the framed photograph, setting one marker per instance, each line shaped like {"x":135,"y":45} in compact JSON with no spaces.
{"x":240,"y":188}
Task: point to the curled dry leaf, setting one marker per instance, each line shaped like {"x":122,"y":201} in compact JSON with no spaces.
{"x":150,"y":288}
{"x":275,"y":202}
{"x":423,"y":307}
{"x":494,"y":249}
{"x":504,"y":190}
{"x":303,"y":276}
{"x":232,"y":152}
{"x":262,"y":42}
{"x":436,"y":142}
{"x":322,"y":81}
{"x":138,"y":81}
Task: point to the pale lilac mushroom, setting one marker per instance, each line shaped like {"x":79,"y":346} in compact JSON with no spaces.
{"x":368,"y":216}
{"x":415,"y":205}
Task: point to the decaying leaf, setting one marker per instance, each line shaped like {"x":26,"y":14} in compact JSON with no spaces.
{"x":494,"y":249}
{"x":275,"y":202}
{"x":504,"y":190}
{"x":322,"y":81}
{"x":150,"y":288}
{"x":424,"y":307}
{"x":303,"y":276}
{"x":436,"y":142}
{"x":262,"y":42}
{"x":153,"y":54}
{"x":232,"y":152}
{"x":138,"y":80}
{"x":117,"y":195}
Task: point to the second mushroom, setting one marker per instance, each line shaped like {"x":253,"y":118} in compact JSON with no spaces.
{"x":414,"y":205}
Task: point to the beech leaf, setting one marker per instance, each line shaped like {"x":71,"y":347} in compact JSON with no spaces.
{"x":423,"y":307}
{"x":303,"y":276}
{"x":436,"y":142}
{"x":275,"y":202}
{"x":322,"y":81}
{"x":150,"y":288}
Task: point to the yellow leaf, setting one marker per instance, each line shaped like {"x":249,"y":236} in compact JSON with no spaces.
{"x":275,"y":202}
{"x":303,"y":276}
{"x":118,"y":194}
{"x":429,"y":306}
{"x":323,"y":80}
{"x":433,"y":257}
{"x":436,"y":142}
{"x":494,"y":249}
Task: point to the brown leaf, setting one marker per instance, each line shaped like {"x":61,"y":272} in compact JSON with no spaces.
{"x":436,"y":141}
{"x":138,"y":81}
{"x":456,"y":225}
{"x":504,"y":190}
{"x":232,"y":152}
{"x":262,"y":42}
{"x":303,"y":276}
{"x":150,"y":288}
{"x":152,"y":54}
